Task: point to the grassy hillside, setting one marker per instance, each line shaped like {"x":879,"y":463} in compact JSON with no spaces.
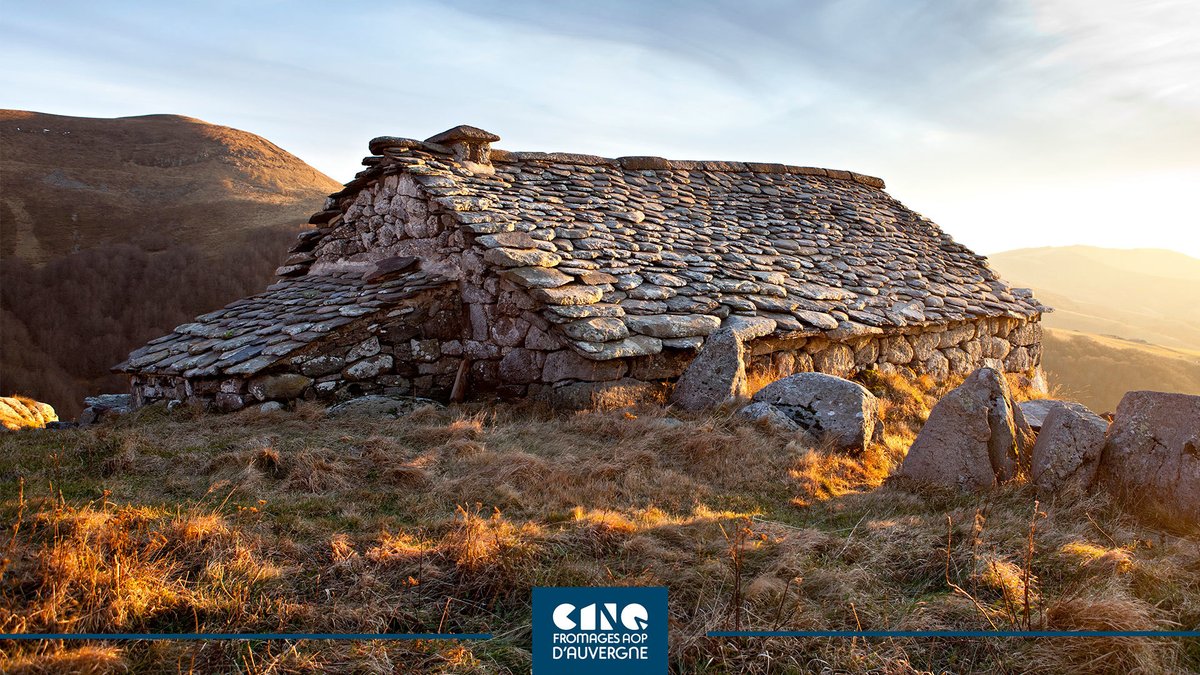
{"x":1145,"y":294}
{"x":113,"y":231}
{"x":443,"y":520}
{"x":1097,"y":369}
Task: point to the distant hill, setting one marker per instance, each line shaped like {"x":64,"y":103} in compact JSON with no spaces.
{"x":1143,"y":294}
{"x":113,"y":231}
{"x":1097,"y":370}
{"x":73,"y":183}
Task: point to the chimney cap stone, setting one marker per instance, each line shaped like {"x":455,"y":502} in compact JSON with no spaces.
{"x":463,"y":133}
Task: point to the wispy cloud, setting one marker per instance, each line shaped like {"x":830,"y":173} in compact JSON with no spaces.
{"x":1006,"y":120}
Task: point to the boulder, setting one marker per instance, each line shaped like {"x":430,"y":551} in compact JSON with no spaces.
{"x":25,"y":413}
{"x":104,"y":405}
{"x":768,"y":414}
{"x":971,"y":438}
{"x":1152,"y":457}
{"x":281,"y":387}
{"x":1035,"y":411}
{"x":1067,"y":453}
{"x":717,"y":374}
{"x":379,"y":406}
{"x":825,"y":405}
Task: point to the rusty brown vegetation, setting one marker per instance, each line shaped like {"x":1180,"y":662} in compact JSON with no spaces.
{"x":444,"y":520}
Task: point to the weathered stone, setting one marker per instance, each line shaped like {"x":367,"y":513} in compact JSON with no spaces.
{"x":606,"y":395}
{"x":567,"y":365}
{"x":1152,"y":457}
{"x":379,"y":406}
{"x":521,"y":366}
{"x":521,"y":257}
{"x":970,"y":440}
{"x":746,"y":328}
{"x":662,"y":366}
{"x":368,"y":368}
{"x":937,"y":366}
{"x":836,"y":359}
{"x":537,"y":338}
{"x":270,"y":407}
{"x":924,"y":345}
{"x":598,"y":329}
{"x":693,"y":342}
{"x":282,"y":387}
{"x":509,"y":331}
{"x":118,"y":403}
{"x":368,"y":347}
{"x":569,"y":295}
{"x":896,"y":349}
{"x":537,"y":277}
{"x":1026,"y":334}
{"x":23,"y":413}
{"x":674,"y":325}
{"x":958,"y":361}
{"x":228,"y":402}
{"x":1067,"y":453}
{"x":768,"y":414}
{"x":823,"y":404}
{"x":866,"y":355}
{"x":717,"y":374}
{"x":634,"y":345}
{"x":1018,"y":360}
{"x":1035,"y":411}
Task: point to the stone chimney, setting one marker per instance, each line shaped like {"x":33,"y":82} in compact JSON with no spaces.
{"x":470,"y":145}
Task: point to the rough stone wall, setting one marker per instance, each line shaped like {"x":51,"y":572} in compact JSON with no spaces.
{"x":391,"y":218}
{"x":414,"y":350}
{"x":1015,"y":345}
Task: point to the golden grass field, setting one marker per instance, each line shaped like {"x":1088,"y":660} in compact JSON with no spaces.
{"x":444,"y":520}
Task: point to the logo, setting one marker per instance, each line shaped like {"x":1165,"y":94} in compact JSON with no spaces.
{"x":586,"y":631}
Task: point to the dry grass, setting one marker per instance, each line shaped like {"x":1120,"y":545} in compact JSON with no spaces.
{"x":445,"y":519}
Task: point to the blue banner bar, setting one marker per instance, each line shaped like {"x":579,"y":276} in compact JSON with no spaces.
{"x":245,"y":636}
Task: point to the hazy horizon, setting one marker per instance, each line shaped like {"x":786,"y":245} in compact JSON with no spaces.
{"x":1011,"y":124}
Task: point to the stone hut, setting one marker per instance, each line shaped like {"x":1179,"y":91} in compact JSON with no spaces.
{"x":450,"y":269}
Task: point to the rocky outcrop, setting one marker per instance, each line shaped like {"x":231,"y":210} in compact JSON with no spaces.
{"x":1152,"y":457}
{"x":1067,"y":454}
{"x":716,"y":375}
{"x":826,"y":406}
{"x":24,"y":413}
{"x":104,"y":406}
{"x":378,"y":406}
{"x":971,"y":439}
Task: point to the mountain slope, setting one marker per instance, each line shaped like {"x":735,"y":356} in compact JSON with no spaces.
{"x":1144,"y":294}
{"x":71,"y":183}
{"x":1097,"y":370}
{"x":113,"y":231}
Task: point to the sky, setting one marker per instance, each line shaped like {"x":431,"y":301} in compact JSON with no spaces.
{"x":1010,"y":123}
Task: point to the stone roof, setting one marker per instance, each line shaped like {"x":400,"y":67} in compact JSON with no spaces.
{"x":253,"y":333}
{"x":625,"y":255}
{"x":606,"y":240}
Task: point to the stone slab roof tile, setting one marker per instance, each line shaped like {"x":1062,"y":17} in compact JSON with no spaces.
{"x":253,"y":333}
